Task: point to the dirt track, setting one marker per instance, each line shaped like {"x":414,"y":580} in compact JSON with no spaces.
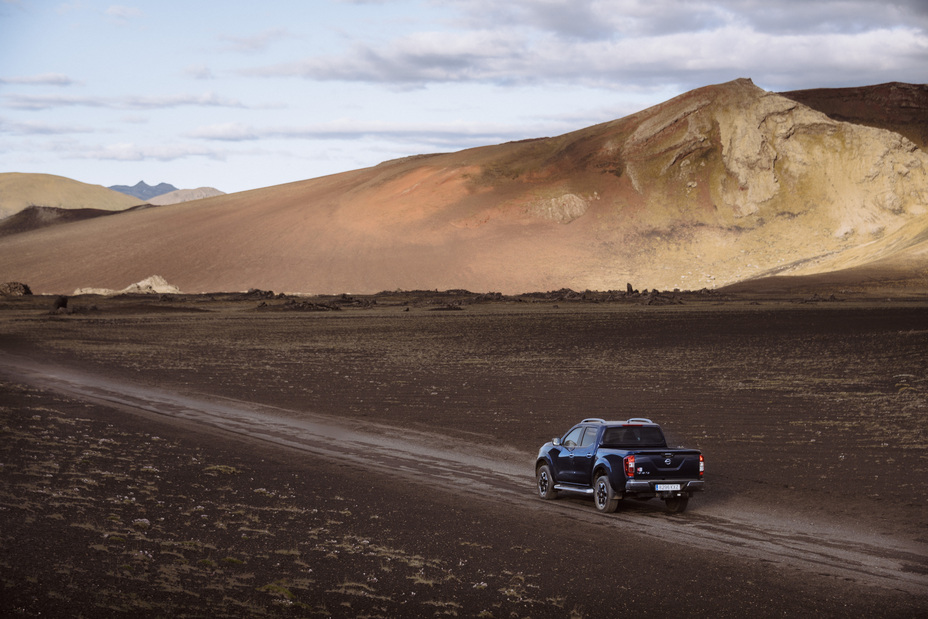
{"x":770,"y":535}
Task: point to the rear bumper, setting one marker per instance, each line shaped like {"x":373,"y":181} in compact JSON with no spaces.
{"x":634,"y":486}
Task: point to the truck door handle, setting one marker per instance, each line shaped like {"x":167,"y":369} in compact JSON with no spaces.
{"x":589,"y":455}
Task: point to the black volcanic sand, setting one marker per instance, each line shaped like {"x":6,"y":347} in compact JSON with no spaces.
{"x":816,"y":409}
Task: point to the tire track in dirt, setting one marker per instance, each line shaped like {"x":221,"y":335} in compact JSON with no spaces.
{"x":478,"y":472}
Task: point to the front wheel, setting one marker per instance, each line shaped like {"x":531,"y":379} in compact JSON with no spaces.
{"x":677,"y":504}
{"x":545,"y":483}
{"x":604,"y":496}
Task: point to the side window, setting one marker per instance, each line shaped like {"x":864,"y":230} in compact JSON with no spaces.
{"x":588,"y":437}
{"x":573,"y":438}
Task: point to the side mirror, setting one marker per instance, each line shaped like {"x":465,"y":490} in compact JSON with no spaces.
{"x":556,"y":441}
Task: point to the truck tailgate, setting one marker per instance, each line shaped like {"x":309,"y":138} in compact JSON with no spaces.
{"x":666,"y":464}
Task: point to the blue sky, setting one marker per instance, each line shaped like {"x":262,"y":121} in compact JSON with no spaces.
{"x":241,"y":95}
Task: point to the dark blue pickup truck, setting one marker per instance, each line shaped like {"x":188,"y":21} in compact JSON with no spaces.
{"x":612,"y":460}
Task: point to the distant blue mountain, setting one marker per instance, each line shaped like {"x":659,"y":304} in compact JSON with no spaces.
{"x":143,"y":191}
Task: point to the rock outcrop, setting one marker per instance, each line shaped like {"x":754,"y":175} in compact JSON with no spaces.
{"x":150,"y":285}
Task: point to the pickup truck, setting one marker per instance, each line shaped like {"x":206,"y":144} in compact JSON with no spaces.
{"x":612,"y":460}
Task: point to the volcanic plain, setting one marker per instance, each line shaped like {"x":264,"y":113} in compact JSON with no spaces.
{"x":263,"y":455}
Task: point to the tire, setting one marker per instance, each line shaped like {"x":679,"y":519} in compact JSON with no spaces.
{"x":677,"y":504}
{"x":604,"y":496}
{"x":545,"y":482}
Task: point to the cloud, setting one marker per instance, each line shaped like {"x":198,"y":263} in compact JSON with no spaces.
{"x":418,"y":58}
{"x":256,"y":43}
{"x":199,"y":72}
{"x":44,"y":102}
{"x":231,"y":132}
{"x":33,"y":128}
{"x":129,"y":151}
{"x":597,"y":19}
{"x":586,"y":19}
{"x":208,"y":99}
{"x":122,"y":14}
{"x":44,"y":79}
{"x":439,"y":135}
{"x":617,"y":43}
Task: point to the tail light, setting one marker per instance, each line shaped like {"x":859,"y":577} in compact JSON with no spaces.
{"x":702,"y":465}
{"x":630,"y":466}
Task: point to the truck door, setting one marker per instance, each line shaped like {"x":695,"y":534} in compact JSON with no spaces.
{"x":564,"y":460}
{"x":575,"y":462}
{"x":583,"y":457}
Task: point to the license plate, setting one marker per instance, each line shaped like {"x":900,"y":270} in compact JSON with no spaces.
{"x":667,"y":487}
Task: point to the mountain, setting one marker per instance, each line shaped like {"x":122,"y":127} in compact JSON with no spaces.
{"x":720,"y":186}
{"x":144,"y":191}
{"x":19,"y":191}
{"x":185,"y":195}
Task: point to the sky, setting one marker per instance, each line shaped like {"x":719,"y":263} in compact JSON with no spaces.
{"x":242,"y":95}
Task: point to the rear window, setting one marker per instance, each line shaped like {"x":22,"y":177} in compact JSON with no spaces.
{"x":634,"y":436}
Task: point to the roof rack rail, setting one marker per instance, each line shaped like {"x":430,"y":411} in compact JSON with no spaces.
{"x":639,"y":420}
{"x":593,"y":420}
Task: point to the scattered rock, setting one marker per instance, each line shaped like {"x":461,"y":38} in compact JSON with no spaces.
{"x":260,"y":294}
{"x":14,"y":289}
{"x":817,"y":298}
{"x":299,"y":306}
{"x":656,"y":298}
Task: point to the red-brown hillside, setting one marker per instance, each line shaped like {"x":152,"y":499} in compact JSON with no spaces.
{"x":719,"y":185}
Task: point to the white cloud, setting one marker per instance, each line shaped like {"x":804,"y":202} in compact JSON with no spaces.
{"x":208,"y":99}
{"x":598,"y":19}
{"x":35,"y":128}
{"x":121,"y":13}
{"x":129,"y":151}
{"x":132,"y":102}
{"x":255,"y":43}
{"x":688,"y":58}
{"x":44,"y":79}
{"x":232,"y":132}
{"x":440,"y":135}
{"x":199,"y":72}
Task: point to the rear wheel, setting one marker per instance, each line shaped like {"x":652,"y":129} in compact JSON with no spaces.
{"x":545,"y":483}
{"x":677,"y":504}
{"x":604,"y":496}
